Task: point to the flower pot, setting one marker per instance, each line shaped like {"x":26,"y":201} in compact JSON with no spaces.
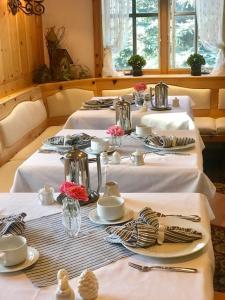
{"x":196,"y":70}
{"x":137,"y":72}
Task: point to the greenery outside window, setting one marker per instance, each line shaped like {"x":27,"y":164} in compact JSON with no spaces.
{"x":165,"y":33}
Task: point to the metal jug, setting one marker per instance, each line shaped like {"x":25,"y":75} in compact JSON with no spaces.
{"x":123,"y":115}
{"x":76,"y":168}
{"x":161,"y":96}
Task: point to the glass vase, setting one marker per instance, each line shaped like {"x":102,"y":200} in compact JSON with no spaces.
{"x":116,"y":141}
{"x":139,"y":98}
{"x":71,"y":217}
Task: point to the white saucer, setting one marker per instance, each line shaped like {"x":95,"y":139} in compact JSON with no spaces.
{"x":110,"y":150}
{"x":93,"y":216}
{"x":32,"y":257}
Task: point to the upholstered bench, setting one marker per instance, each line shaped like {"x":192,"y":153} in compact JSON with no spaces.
{"x":21,"y":134}
{"x":211,"y":129}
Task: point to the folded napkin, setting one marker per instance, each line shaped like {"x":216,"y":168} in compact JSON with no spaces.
{"x":168,"y":141}
{"x":13,"y":224}
{"x":147,"y":231}
{"x":81,"y":139}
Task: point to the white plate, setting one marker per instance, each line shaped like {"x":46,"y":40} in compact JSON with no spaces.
{"x":110,"y":150}
{"x":158,"y":148}
{"x":171,"y":250}
{"x":93,"y":216}
{"x":32,"y":257}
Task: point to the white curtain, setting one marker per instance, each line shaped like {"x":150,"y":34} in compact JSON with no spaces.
{"x":211,"y":26}
{"x":115,"y":17}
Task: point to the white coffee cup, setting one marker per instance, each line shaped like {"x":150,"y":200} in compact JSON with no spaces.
{"x":99,"y":145}
{"x":143,"y":130}
{"x":46,"y":195}
{"x":13,"y":250}
{"x":110,"y":208}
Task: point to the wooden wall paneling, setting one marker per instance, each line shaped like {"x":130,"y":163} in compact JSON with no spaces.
{"x":21,"y":49}
{"x":2,"y":12}
{"x":14,"y":47}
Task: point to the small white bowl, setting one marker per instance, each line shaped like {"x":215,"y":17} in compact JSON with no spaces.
{"x":110,"y":208}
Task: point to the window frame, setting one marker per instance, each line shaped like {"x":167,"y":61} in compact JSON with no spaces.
{"x":164,"y":41}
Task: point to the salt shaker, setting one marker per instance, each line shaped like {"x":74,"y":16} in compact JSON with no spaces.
{"x":63,"y":291}
{"x":104,"y":158}
{"x":116,"y":158}
{"x":144,"y":107}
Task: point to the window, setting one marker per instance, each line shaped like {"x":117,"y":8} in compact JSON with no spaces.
{"x":172,"y":20}
{"x":184,"y":34}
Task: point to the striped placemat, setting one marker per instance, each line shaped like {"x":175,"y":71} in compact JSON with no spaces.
{"x":88,"y":250}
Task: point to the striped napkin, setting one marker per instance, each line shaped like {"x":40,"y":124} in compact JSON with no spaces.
{"x":168,"y":141}
{"x":13,"y":224}
{"x":147,"y":231}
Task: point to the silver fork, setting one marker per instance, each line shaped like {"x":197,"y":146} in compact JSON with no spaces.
{"x":162,"y":268}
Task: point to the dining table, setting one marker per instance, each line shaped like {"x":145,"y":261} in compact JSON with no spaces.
{"x":116,"y":279}
{"x":102,"y":118}
{"x":173,"y":171}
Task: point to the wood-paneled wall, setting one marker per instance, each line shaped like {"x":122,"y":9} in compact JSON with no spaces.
{"x":21,"y":49}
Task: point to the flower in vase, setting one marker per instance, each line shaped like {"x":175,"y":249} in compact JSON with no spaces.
{"x":115,"y":130}
{"x":74,"y":191}
{"x":140,"y":87}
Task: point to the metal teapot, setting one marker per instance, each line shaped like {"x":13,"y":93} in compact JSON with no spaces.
{"x":161,"y":96}
{"x":76,"y":169}
{"x":123,"y":115}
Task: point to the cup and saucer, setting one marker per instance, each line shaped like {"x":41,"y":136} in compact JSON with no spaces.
{"x":110,"y":210}
{"x":142,"y":131}
{"x":15,"y":255}
{"x":99,"y":145}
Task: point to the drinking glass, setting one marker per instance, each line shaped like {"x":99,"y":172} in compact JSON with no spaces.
{"x":71,"y":217}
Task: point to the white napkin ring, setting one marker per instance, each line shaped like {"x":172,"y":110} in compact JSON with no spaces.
{"x":161,"y":234}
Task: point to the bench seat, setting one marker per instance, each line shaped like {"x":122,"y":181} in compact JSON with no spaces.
{"x":36,"y":144}
{"x":211,"y":129}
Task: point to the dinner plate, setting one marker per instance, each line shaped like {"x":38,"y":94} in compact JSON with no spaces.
{"x":110,"y":150}
{"x":93,"y":216}
{"x":176,"y":148}
{"x":32,"y":257}
{"x":172,"y":250}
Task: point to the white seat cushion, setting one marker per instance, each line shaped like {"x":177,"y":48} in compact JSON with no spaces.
{"x":200,"y":97}
{"x":220,"y":125}
{"x":206,"y":125}
{"x":221,"y":101}
{"x":7,"y":173}
{"x":36,"y":144}
{"x":121,"y":92}
{"x":24,"y":117}
{"x":66,"y":102}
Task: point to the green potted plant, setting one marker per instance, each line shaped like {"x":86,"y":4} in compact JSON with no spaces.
{"x":137,"y":62}
{"x":195,"y":61}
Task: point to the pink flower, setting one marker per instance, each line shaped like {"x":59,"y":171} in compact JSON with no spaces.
{"x":140,"y":86}
{"x":115,"y":130}
{"x":74,"y":190}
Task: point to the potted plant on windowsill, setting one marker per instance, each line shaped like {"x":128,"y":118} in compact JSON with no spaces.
{"x":195,"y":61}
{"x":137,"y":62}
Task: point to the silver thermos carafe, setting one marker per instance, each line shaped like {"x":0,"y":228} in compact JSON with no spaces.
{"x":76,"y":168}
{"x":123,"y":116}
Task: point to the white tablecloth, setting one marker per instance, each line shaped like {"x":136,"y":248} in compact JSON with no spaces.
{"x":169,"y":173}
{"x":117,"y":281}
{"x":102,"y":119}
